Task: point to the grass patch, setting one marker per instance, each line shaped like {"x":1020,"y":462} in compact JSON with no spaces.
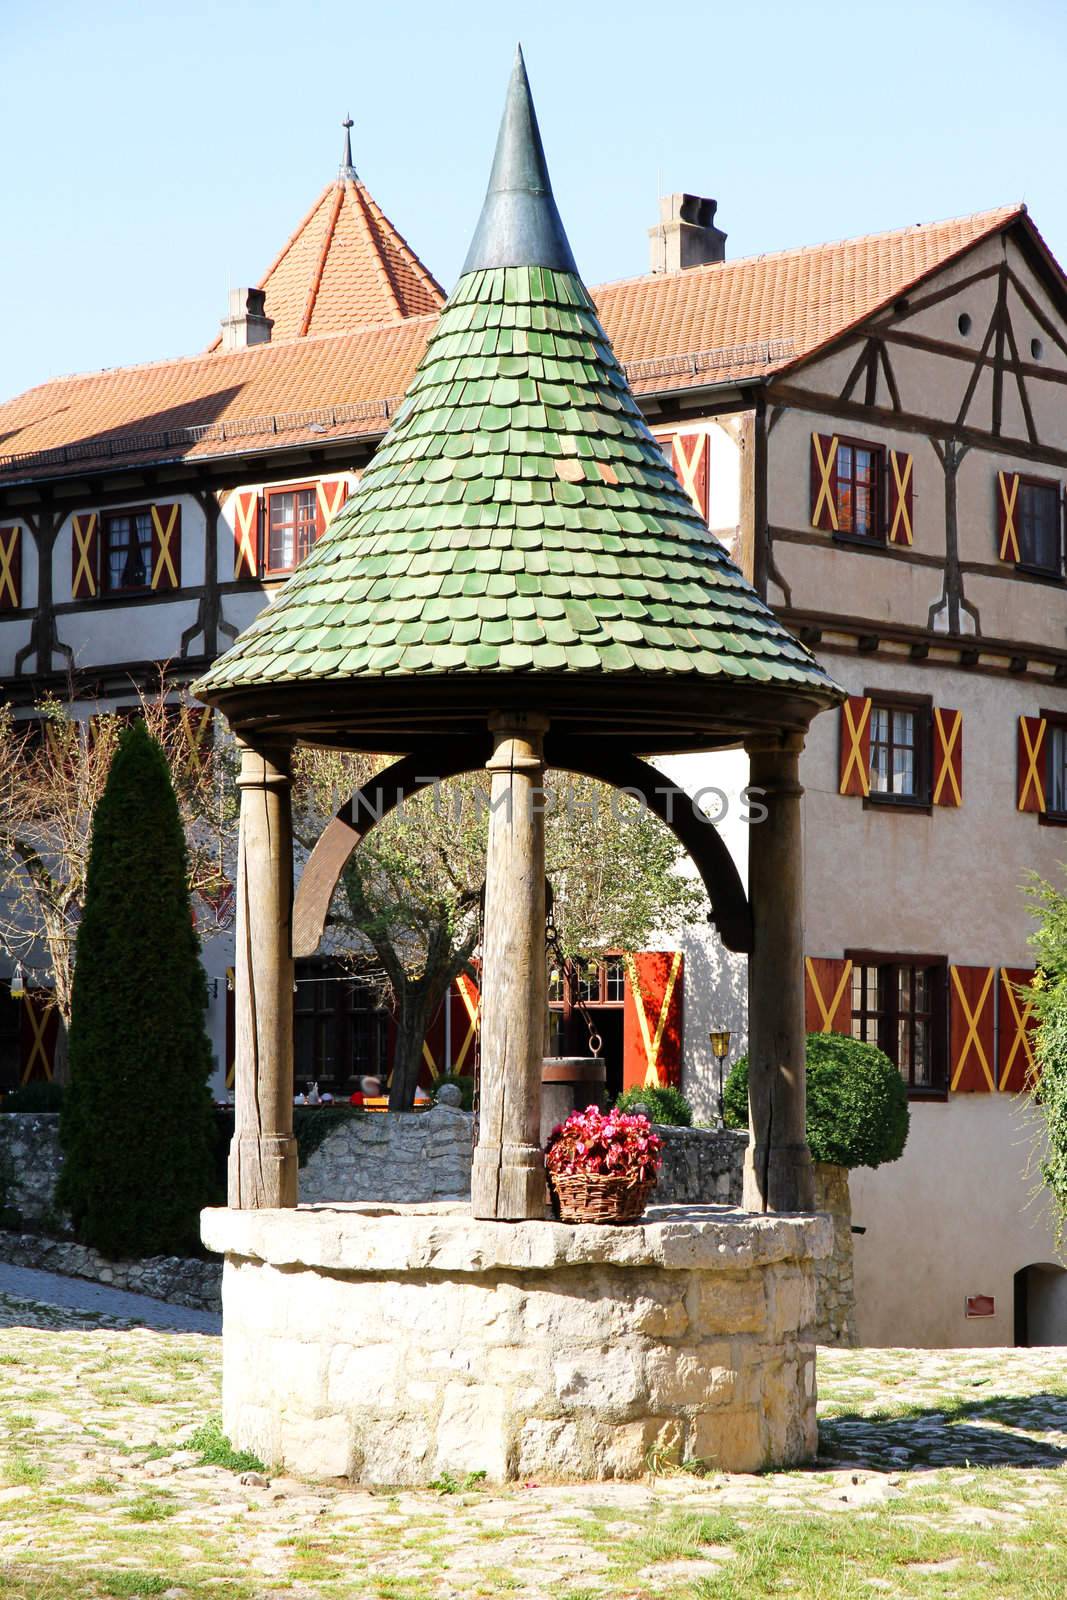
{"x":217,"y":1451}
{"x":20,"y":1471}
{"x":125,"y":1584}
{"x":151,"y":1508}
{"x":448,"y":1483}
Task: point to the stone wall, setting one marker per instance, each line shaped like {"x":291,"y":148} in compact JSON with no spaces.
{"x":30,"y":1162}
{"x":407,"y":1157}
{"x":180,"y":1280}
{"x":835,"y":1321}
{"x":390,"y":1345}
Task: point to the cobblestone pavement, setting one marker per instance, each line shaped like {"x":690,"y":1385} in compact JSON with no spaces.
{"x":116,"y":1307}
{"x":940,"y":1478}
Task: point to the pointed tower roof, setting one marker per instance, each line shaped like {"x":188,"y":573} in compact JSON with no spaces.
{"x":519,"y":536}
{"x":345,"y":265}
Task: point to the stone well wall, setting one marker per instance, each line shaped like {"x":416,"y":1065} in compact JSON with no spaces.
{"x":390,"y":1346}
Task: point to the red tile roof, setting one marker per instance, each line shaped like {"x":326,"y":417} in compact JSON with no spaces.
{"x":721,"y":323}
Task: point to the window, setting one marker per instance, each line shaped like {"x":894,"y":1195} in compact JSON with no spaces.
{"x":292,"y":527}
{"x":340,"y":1033}
{"x":899,"y":1004}
{"x":1039,"y":525}
{"x":858,"y":490}
{"x":1057,"y":770}
{"x":127,"y":551}
{"x":900,"y":752}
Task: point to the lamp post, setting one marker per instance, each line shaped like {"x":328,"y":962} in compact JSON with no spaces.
{"x":720,"y":1049}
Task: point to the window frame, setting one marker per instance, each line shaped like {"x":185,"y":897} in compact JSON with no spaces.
{"x":1027,"y":481}
{"x":1057,"y":720}
{"x":889,"y":1013}
{"x":312,"y":488}
{"x":878,"y":539}
{"x":105,"y":589}
{"x":922,"y":706}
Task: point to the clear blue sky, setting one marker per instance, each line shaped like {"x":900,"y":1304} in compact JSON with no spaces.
{"x":155,"y":153}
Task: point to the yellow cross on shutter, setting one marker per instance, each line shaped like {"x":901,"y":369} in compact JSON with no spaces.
{"x":826,"y":470}
{"x":687,"y":466}
{"x":854,"y":732}
{"x":1021,"y":1039}
{"x":8,"y":547}
{"x":972,"y":1019}
{"x":1009,"y":539}
{"x":38,"y":1021}
{"x":1033,"y":749}
{"x":331,"y":497}
{"x":828,"y":1012}
{"x":84,"y":529}
{"x":245,"y":517}
{"x":164,"y":530}
{"x":949,"y":740}
{"x":900,"y":532}
{"x":650,"y":1040}
{"x":472,"y":1004}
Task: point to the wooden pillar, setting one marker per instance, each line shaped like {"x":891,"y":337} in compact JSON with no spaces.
{"x":508,"y":1177}
{"x":263,"y":1157}
{"x":778,"y":1170}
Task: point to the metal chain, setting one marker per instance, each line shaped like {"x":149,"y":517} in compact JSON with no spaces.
{"x":555,"y":949}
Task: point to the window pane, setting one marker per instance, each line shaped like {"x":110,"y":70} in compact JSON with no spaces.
{"x":1039,"y":544}
{"x":1057,"y":775}
{"x":844,"y":488}
{"x":615,"y":980}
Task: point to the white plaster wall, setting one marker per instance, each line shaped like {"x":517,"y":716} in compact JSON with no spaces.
{"x":959,"y":1214}
{"x":14,"y":636}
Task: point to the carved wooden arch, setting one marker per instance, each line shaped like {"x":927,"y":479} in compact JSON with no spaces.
{"x":433,"y":763}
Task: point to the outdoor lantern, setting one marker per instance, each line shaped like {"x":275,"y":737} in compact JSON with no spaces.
{"x":18,"y":982}
{"x":720,"y":1049}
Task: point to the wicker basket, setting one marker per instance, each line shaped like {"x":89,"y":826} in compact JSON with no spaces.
{"x":599,"y":1197}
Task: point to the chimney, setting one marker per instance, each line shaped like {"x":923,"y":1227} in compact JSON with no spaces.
{"x":686,"y":235}
{"x":247,"y":322}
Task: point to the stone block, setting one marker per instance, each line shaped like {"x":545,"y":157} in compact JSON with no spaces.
{"x":362,"y":1377}
{"x":632,"y":1449}
{"x":396,"y":1453}
{"x":721,"y":1303}
{"x":791,"y":1302}
{"x":693,"y":1376}
{"x":322,"y":1448}
{"x":549,"y":1448}
{"x":608,"y":1380}
{"x":470,"y":1431}
{"x":730,"y":1440}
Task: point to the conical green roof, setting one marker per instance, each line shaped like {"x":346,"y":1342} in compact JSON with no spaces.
{"x":518,"y":519}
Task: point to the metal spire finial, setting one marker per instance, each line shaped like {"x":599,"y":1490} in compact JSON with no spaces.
{"x":346,"y":169}
{"x":519,"y":225}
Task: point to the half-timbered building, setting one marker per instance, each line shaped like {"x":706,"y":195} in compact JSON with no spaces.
{"x":876,"y":430}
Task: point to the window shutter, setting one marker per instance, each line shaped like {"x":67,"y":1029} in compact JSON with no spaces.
{"x":689,"y":458}
{"x":466,"y":1003}
{"x":246,"y":534}
{"x":899,"y":505}
{"x":652,"y":1019}
{"x":824,"y":482}
{"x":11,"y":568}
{"x":1008,"y":516}
{"x":948,"y":757}
{"x":85,"y":555}
{"x":855,"y":763}
{"x":1016,"y":1066}
{"x":231,"y":1027}
{"x":330,"y":495}
{"x":1030,"y":764}
{"x":827,"y":995}
{"x":972,"y":999}
{"x":38,"y":1034}
{"x":167,"y":547}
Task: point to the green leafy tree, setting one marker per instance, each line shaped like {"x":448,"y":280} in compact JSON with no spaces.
{"x":857,"y":1102}
{"x":136,"y":1126}
{"x":1048,"y":905}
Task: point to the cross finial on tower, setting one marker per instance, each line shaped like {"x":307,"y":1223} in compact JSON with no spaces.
{"x":347,"y":170}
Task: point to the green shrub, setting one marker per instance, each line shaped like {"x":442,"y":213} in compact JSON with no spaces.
{"x":464,"y":1084}
{"x":136,"y":1125}
{"x":665,"y":1105}
{"x":857,"y":1101}
{"x":40,"y":1095}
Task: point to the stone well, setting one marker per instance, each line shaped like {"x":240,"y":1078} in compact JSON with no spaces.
{"x":390,"y":1344}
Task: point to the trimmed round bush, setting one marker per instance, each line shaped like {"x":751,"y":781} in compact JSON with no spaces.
{"x":857,"y":1101}
{"x":664,"y":1104}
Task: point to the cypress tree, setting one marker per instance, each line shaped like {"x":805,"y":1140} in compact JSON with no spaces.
{"x":137,"y":1127}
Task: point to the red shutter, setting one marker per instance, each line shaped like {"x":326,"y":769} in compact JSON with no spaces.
{"x":652,"y":1019}
{"x":689,"y":458}
{"x":899,"y":501}
{"x":330,"y":496}
{"x":827,"y":995}
{"x":1008,"y":510}
{"x":854,"y":775}
{"x":466,"y":1003}
{"x":167,"y":547}
{"x":972,"y":1001}
{"x":433,"y":1046}
{"x":1030,"y":764}
{"x":824,"y":482}
{"x":1016,"y":1067}
{"x":246,"y":534}
{"x":948,"y":757}
{"x":85,"y":555}
{"x":39,"y":1030}
{"x":10,"y":568}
